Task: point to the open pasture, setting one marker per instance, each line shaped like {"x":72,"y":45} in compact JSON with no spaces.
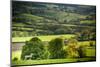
{"x":43,"y":38}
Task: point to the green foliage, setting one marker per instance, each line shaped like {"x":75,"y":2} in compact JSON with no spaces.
{"x":22,"y":34}
{"x":46,"y":54}
{"x":75,"y":50}
{"x":15,"y":59}
{"x":34,"y":46}
{"x":82,"y":51}
{"x":56,"y":48}
{"x":72,"y":48}
{"x":86,"y":34}
{"x":92,"y":44}
{"x":58,"y":31}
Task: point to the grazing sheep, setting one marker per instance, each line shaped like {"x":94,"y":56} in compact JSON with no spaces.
{"x":28,"y":56}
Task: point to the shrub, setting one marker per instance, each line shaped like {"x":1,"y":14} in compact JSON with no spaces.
{"x":82,"y":51}
{"x":46,"y":54}
{"x":15,"y":59}
{"x":91,"y":44}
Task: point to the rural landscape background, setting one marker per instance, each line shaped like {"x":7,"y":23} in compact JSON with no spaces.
{"x":45,"y":33}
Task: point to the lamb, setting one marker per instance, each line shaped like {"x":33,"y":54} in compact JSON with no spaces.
{"x":28,"y":56}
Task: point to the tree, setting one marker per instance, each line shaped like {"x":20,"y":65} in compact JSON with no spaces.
{"x":61,"y":30}
{"x":82,"y":51}
{"x":72,"y":48}
{"x":78,"y":35}
{"x":35,"y":47}
{"x":93,"y":36}
{"x":85,"y":34}
{"x":56,"y":49}
{"x":75,"y":50}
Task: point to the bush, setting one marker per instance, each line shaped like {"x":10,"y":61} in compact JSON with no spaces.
{"x":91,"y":44}
{"x":15,"y":59}
{"x":56,"y":49}
{"x":36,"y":47}
{"x":82,"y":51}
{"x":46,"y":55}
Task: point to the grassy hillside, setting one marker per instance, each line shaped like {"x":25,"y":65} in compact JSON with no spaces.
{"x":31,"y":18}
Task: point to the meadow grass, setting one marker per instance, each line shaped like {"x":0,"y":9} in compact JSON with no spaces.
{"x":48,"y":61}
{"x":51,"y":61}
{"x":88,"y":21}
{"x":86,"y":43}
{"x":43,"y":38}
{"x":91,"y":52}
{"x":16,"y":54}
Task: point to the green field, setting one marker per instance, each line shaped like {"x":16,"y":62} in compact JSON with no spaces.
{"x":86,"y":43}
{"x":90,"y":52}
{"x":43,"y":38}
{"x":16,"y":54}
{"x":51,"y":61}
{"x":88,"y":22}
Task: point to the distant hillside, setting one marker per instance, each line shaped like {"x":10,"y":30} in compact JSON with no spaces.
{"x":35,"y":18}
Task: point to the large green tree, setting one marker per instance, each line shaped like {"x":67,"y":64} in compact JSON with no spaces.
{"x":36,"y":47}
{"x":56,"y":49}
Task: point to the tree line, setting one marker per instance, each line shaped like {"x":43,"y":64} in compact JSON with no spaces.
{"x":56,"y":49}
